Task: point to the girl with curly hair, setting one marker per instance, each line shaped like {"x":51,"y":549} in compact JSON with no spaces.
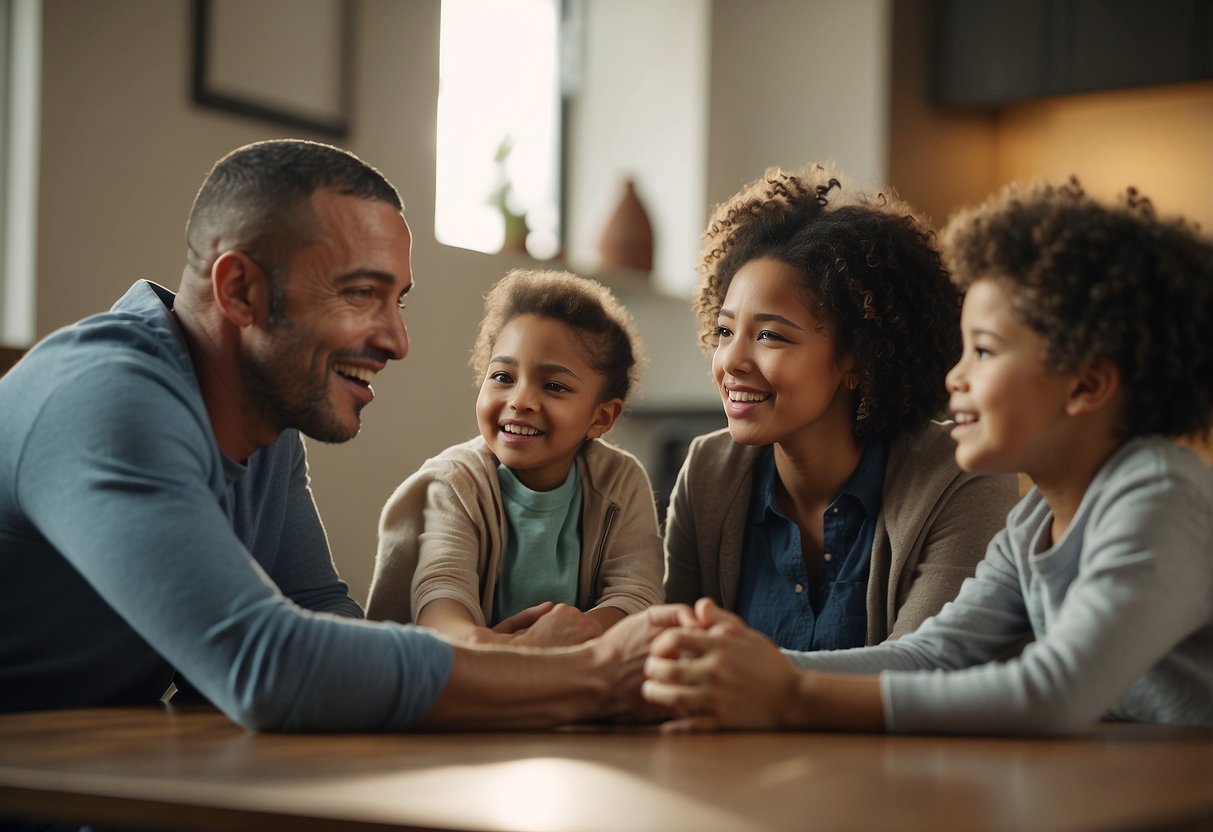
{"x":1086,"y":354}
{"x":830,"y":513}
{"x":536,"y":531}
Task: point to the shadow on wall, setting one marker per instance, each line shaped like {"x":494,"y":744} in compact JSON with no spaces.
{"x":660,"y":438}
{"x":8,"y":357}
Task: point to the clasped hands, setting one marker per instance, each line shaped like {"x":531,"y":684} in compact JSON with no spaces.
{"x":702,"y":668}
{"x":694,"y":669}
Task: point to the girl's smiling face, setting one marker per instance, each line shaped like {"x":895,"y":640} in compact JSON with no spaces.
{"x":540,"y":400}
{"x":776,"y":362}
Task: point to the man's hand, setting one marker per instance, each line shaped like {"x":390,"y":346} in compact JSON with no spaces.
{"x":624,"y":648}
{"x":520,"y":621}
{"x":547,"y":624}
{"x":560,"y":626}
{"x":506,"y":630}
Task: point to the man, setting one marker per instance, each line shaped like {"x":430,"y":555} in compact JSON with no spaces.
{"x":156,"y":524}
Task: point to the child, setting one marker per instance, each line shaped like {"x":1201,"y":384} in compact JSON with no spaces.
{"x":830,"y":514}
{"x":1086,"y":350}
{"x":536,"y":530}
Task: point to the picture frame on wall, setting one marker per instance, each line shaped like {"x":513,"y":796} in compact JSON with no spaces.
{"x":284,"y":62}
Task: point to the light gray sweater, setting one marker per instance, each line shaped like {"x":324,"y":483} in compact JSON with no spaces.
{"x":1121,"y":610}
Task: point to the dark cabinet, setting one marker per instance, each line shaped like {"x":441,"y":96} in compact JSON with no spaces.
{"x":1000,"y":51}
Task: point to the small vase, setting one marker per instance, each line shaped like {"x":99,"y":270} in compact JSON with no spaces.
{"x":627,"y":240}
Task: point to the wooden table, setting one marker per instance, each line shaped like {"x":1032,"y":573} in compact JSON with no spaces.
{"x":189,"y":768}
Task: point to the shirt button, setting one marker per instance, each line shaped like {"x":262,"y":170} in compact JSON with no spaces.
{"x":799,"y":588}
{"x":834,"y":510}
{"x":827,"y":557}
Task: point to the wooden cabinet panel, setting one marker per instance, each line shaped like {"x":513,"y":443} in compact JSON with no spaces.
{"x":1001,"y":51}
{"x":1110,"y":44}
{"x":990,"y":52}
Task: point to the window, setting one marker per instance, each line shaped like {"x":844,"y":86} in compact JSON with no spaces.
{"x":499,"y":126}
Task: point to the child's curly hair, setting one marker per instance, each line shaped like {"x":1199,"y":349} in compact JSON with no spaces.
{"x":869,"y":263}
{"x":603,"y":325}
{"x":1102,"y":282}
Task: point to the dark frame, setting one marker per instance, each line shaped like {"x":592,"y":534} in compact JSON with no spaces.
{"x":336,"y":126}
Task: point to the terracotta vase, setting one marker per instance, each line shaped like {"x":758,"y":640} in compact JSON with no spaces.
{"x":627,"y":240}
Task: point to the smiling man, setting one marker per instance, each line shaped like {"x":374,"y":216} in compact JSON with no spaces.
{"x":156,"y":523}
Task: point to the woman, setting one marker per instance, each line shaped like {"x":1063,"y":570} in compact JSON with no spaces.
{"x":831,"y":513}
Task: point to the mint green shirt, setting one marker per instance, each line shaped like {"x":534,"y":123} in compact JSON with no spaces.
{"x":543,"y":548}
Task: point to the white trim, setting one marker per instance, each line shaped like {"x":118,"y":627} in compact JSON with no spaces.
{"x":20,"y":147}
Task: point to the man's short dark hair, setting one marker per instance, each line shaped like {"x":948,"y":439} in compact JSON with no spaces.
{"x":260,"y":195}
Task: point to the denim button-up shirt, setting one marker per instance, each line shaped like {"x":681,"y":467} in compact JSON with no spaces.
{"x":774,"y":595}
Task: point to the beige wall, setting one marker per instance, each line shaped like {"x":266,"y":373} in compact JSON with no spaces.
{"x":939,"y":160}
{"x":798,"y":81}
{"x":124,"y":149}
{"x":1159,"y":140}
{"x":123,"y":152}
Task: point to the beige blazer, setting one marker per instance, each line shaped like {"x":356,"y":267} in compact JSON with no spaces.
{"x":933,"y":528}
{"x":443,"y":532}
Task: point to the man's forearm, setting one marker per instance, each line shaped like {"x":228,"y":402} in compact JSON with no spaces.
{"x":493,"y":686}
{"x":520,"y":687}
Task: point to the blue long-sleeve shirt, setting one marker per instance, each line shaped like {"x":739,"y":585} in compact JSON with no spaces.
{"x":132,"y":548}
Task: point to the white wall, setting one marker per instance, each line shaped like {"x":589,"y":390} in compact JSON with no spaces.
{"x":641,"y":112}
{"x":798,"y":81}
{"x":696,"y":97}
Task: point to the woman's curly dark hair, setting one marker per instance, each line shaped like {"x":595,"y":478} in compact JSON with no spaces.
{"x":1102,"y":282}
{"x":602,"y":324}
{"x":869,"y":263}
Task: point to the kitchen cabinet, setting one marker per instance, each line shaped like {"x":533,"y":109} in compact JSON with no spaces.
{"x":997,"y":52}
